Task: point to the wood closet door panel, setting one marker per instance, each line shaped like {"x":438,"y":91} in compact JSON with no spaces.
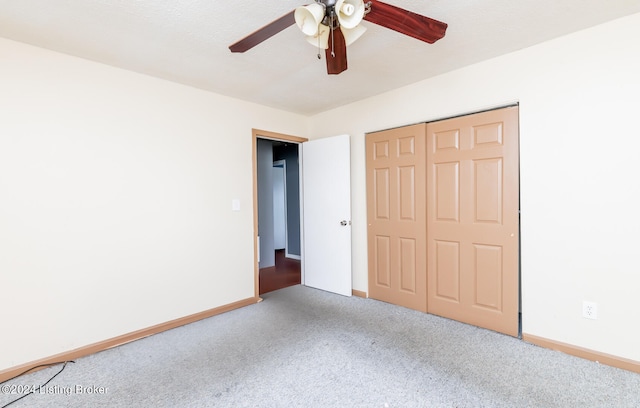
{"x":473,"y":219}
{"x":396,"y":216}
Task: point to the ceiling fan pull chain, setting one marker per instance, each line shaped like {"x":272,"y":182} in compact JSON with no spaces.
{"x":333,"y":54}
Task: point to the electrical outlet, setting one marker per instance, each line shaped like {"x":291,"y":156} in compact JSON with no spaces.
{"x":589,"y":310}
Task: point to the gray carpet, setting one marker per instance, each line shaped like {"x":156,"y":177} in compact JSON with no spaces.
{"x":303,"y":347}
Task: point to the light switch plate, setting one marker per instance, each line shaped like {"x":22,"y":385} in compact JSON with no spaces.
{"x":235,"y":205}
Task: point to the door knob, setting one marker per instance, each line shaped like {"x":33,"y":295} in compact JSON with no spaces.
{"x":345,"y":223}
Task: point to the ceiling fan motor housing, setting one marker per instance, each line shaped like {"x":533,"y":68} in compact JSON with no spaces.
{"x":335,"y":18}
{"x":330,"y":10}
{"x":328,"y":3}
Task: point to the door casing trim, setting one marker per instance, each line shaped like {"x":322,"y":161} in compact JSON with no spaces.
{"x":255,"y":135}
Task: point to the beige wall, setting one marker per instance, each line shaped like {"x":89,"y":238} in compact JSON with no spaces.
{"x":115,"y":200}
{"x":579,"y":190}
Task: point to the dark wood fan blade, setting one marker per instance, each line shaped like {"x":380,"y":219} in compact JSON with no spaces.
{"x":264,"y":33}
{"x":336,"y":62}
{"x":406,"y":22}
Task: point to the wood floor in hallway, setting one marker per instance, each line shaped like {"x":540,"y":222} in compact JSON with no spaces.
{"x":285,"y":273}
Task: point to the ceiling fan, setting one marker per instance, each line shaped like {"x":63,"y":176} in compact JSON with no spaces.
{"x":334,"y":24}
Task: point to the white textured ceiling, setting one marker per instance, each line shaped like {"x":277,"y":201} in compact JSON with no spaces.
{"x":187,"y":41}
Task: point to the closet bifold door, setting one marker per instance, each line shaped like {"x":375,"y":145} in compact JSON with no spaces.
{"x":473,"y":219}
{"x":396,"y":216}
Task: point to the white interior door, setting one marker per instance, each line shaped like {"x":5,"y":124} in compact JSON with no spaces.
{"x":326,"y":183}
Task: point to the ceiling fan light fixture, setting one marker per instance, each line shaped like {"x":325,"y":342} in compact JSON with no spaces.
{"x":350,"y":12}
{"x":309,"y":17}
{"x":352,"y":34}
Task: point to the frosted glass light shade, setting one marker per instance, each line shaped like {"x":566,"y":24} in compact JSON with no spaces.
{"x":352,"y":34}
{"x":309,"y":17}
{"x":350,"y":12}
{"x":321,"y":39}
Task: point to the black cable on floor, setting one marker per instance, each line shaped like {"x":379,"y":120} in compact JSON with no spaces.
{"x":43,"y":385}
